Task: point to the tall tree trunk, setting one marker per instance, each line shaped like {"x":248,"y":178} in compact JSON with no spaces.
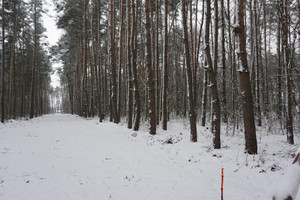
{"x":232,"y":63}
{"x":257,"y":64}
{"x":99,"y":76}
{"x":204,"y":99}
{"x":3,"y":65}
{"x":192,"y":113}
{"x":287,"y":65}
{"x":267,"y":100}
{"x":113,"y":64}
{"x":224,"y":99}
{"x":22,"y":113}
{"x":134,"y":64}
{"x":151,"y":81}
{"x":216,"y":35}
{"x":157,"y":83}
{"x":247,"y":106}
{"x":279,"y":67}
{"x":129,"y":67}
{"x":216,"y":113}
{"x":85,"y":69}
{"x":33,"y":86}
{"x":121,"y":59}
{"x":252,"y":50}
{"x":12,"y":84}
{"x":193,"y":64}
{"x":165,"y":94}
{"x":196,"y":54}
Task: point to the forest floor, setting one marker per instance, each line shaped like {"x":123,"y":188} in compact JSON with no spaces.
{"x":65,"y":157}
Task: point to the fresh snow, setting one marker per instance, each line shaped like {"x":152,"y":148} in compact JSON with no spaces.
{"x":289,"y":184}
{"x":65,"y":157}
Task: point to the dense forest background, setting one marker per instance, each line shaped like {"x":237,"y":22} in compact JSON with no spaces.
{"x":226,"y":62}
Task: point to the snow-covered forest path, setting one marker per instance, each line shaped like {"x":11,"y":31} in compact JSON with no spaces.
{"x":66,"y":157}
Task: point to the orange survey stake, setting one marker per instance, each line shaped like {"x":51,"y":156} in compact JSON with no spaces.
{"x":222,"y":181}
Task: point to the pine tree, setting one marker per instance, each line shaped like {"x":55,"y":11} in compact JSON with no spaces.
{"x":192,"y":113}
{"x":247,"y":106}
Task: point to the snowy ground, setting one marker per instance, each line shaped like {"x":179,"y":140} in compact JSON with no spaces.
{"x":64,"y":157}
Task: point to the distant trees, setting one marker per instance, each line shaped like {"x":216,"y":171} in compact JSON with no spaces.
{"x":25,"y":64}
{"x":142,"y":61}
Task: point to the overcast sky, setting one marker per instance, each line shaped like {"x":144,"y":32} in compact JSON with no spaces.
{"x":53,"y":34}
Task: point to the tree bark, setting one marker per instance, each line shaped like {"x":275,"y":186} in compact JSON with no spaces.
{"x":257,"y":65}
{"x":3,"y":65}
{"x":134,"y":64}
{"x":211,"y":70}
{"x":165,"y":94}
{"x":112,"y":62}
{"x":151,"y":82}
{"x":192,"y":113}
{"x":129,"y":67}
{"x":120,"y":60}
{"x":247,"y":106}
{"x":157,"y":83}
{"x":12,"y":84}
{"x":224,"y":98}
{"x":33,"y":86}
{"x":267,"y":99}
{"x":99,"y":75}
{"x":204,"y":99}
{"x":279,"y":67}
{"x":287,"y":65}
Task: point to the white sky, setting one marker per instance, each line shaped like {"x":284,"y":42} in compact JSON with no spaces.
{"x":53,"y":34}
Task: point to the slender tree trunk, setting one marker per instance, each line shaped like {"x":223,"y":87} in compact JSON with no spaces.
{"x":151,"y":82}
{"x":267,"y":100}
{"x":99,"y":57}
{"x":33,"y":87}
{"x":252,"y":50}
{"x":232,"y":64}
{"x":224,"y":99}
{"x":204,"y":99}
{"x":287,"y":64}
{"x":192,"y":113}
{"x":204,"y":90}
{"x":157,"y":84}
{"x":196,"y":53}
{"x":134,"y":64}
{"x":216,"y":35}
{"x":12,"y":86}
{"x":22,"y":113}
{"x":192,"y":54}
{"x":3,"y":65}
{"x":92,"y":71}
{"x":257,"y":79}
{"x":112,"y":62}
{"x":216,"y":113}
{"x":190,"y":3}
{"x":165,"y":95}
{"x":85,"y":69}
{"x":247,"y":106}
{"x":279,"y":67}
{"x":129,"y":67}
{"x":121,"y":59}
